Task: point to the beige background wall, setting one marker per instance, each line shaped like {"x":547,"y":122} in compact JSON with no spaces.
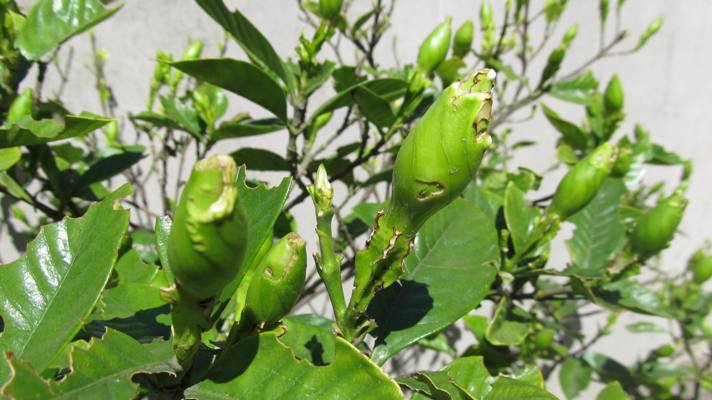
{"x":667,"y":85}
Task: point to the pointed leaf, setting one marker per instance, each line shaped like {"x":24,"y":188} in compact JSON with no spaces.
{"x":520,"y":217}
{"x":448,"y":273}
{"x":374,"y":107}
{"x":184,"y":115}
{"x":599,"y":233}
{"x":252,"y":41}
{"x":240,"y":129}
{"x":574,"y":377}
{"x":580,"y":90}
{"x":386,"y":88}
{"x":260,"y":159}
{"x":241,"y":78}
{"x":261,"y":367}
{"x":51,"y":22}
{"x":47,"y":293}
{"x":612,"y":391}
{"x":510,"y":325}
{"x":570,"y":132}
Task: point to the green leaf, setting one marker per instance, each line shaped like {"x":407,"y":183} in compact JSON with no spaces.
{"x":505,"y":388}
{"x":252,"y":41}
{"x":230,"y":130}
{"x":633,"y":295}
{"x":241,"y":78}
{"x":29,"y":132}
{"x":374,"y":107}
{"x":448,"y":273}
{"x":9,"y":157}
{"x":14,"y":188}
{"x":51,"y":22}
{"x":609,"y":369}
{"x":25,"y":383}
{"x":386,"y":88}
{"x":510,"y":325}
{"x":612,"y":391}
{"x":574,"y":377}
{"x":580,"y":89}
{"x":47,"y":293}
{"x":262,"y":207}
{"x":571,"y":134}
{"x":101,"y":369}
{"x":599,"y":233}
{"x":260,"y":159}
{"x":261,"y":367}
{"x":184,"y":115}
{"x":111,"y":165}
{"x":649,"y":31}
{"x":309,"y":336}
{"x":138,"y":288}
{"x":471,"y":374}
{"x":520,"y":218}
{"x":163,"y":232}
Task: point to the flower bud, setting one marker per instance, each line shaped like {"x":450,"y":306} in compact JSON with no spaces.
{"x":278,"y":281}
{"x":581,"y":183}
{"x":613,"y":96}
{"x":700,"y":264}
{"x":193,"y":51}
{"x":462,"y":43}
{"x":487,"y":26}
{"x":321,"y":192}
{"x":441,"y":155}
{"x":624,"y":159}
{"x":656,"y":228}
{"x":434,"y":48}
{"x":209,"y":232}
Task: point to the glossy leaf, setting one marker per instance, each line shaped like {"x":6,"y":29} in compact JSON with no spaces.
{"x":241,"y":78}
{"x":25,"y":383}
{"x":163,"y":232}
{"x":252,"y":41}
{"x":156,"y":119}
{"x":599,"y":233}
{"x":31,"y":132}
{"x":448,"y":273}
{"x":262,"y":207}
{"x":111,"y":165}
{"x":471,"y":374}
{"x":633,"y":295}
{"x":101,"y":369}
{"x":51,"y":22}
{"x":263,"y":367}
{"x":574,"y":377}
{"x":138,"y":288}
{"x":47,"y":293}
{"x":580,"y":89}
{"x":230,"y":130}
{"x":570,"y":132}
{"x":520,"y":218}
{"x":260,"y":159}
{"x":310,"y":337}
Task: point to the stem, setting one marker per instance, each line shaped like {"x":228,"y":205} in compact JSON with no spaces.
{"x":328,"y":266}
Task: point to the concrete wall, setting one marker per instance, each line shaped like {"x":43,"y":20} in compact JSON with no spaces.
{"x":666,"y":84}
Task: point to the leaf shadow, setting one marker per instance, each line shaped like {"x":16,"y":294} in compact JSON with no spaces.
{"x":399,"y":306}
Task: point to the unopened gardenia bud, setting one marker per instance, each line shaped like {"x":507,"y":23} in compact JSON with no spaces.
{"x":329,"y":8}
{"x":656,"y":228}
{"x":434,"y":48}
{"x":209,"y":232}
{"x":581,"y":183}
{"x":321,"y":192}
{"x":278,"y":281}
{"x":462,"y":43}
{"x":441,"y":155}
{"x":613,"y":96}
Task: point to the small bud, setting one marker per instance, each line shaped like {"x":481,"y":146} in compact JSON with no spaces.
{"x":328,"y":9}
{"x":656,"y":228}
{"x":462,"y":43}
{"x":613,"y":96}
{"x":700,"y":264}
{"x":434,"y":48}
{"x":581,"y":183}
{"x":321,"y":192}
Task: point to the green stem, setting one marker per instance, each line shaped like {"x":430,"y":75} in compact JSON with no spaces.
{"x":328,"y":267}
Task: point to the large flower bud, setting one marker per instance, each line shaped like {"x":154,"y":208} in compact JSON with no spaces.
{"x":580,"y":185}
{"x":656,"y":228}
{"x":277,"y":281}
{"x":209,"y":232}
{"x":434,"y":48}
{"x":441,"y":155}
